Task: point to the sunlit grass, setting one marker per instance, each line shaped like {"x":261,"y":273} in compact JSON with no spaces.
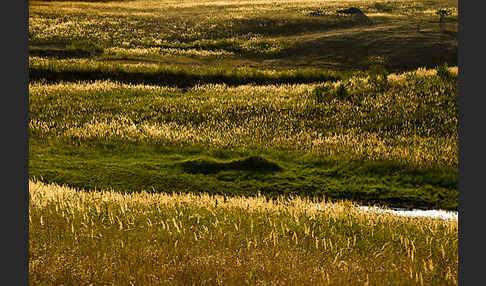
{"x":410,"y":118}
{"x":104,"y":237}
{"x":224,"y":28}
{"x":150,"y":107}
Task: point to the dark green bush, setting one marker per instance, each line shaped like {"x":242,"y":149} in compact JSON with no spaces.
{"x":378,"y":77}
{"x":341,"y":92}
{"x":443,"y":13}
{"x":443,"y":72}
{"x":326,"y":93}
{"x":322,"y":93}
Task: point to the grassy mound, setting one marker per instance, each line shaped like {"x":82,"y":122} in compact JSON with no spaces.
{"x":253,"y":163}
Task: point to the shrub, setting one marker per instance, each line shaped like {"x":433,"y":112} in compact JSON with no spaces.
{"x":378,"y":76}
{"x":321,"y":93}
{"x":443,"y":72}
{"x":442,"y":13}
{"x":325,"y":93}
{"x":341,"y":92}
{"x":85,"y":48}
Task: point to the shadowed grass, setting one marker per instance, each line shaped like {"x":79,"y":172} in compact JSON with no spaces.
{"x":77,"y":49}
{"x":281,"y":35}
{"x":76,"y":70}
{"x":252,"y":164}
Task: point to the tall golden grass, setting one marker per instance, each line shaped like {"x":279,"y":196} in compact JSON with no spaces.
{"x":107,"y":238}
{"x":418,"y":121}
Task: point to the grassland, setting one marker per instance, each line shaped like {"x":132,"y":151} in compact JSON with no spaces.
{"x":111,"y":238}
{"x":179,"y":92}
{"x":170,"y":96}
{"x":263,"y":34}
{"x":217,"y":127}
{"x":397,"y":147}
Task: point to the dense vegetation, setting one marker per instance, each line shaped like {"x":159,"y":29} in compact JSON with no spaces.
{"x":266,"y":35}
{"x":388,"y":140}
{"x":208,"y":104}
{"x":108,"y":238}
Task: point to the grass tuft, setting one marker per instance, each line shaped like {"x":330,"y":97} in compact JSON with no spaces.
{"x":252,"y":164}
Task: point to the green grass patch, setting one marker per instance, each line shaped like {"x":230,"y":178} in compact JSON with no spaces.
{"x":372,"y":138}
{"x":135,"y":167}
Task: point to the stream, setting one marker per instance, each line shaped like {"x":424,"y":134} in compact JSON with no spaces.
{"x":441,"y":214}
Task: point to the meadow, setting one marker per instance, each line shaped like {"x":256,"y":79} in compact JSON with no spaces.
{"x":261,"y":34}
{"x":195,"y":139}
{"x":113,"y":238}
{"x":375,"y":140}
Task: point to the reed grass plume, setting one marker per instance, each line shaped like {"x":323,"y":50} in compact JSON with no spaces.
{"x":144,"y":238}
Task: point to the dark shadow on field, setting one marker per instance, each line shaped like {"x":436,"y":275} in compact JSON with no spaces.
{"x":253,"y":163}
{"x":75,"y":49}
{"x":287,"y":25}
{"x":404,"y":47}
{"x":180,"y":77}
{"x":58,"y":53}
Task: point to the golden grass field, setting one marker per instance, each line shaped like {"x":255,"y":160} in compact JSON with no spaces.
{"x":269,"y":116}
{"x":232,"y":142}
{"x":111,"y":238}
{"x":263,"y":34}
